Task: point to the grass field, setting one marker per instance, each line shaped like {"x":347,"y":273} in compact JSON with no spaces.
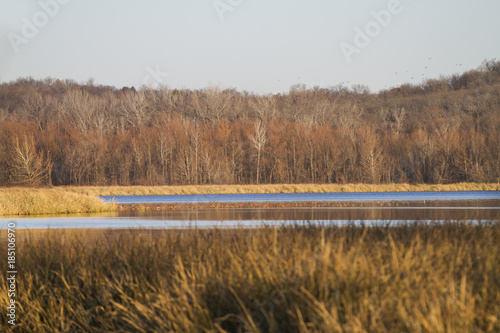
{"x":280,"y":188}
{"x":56,"y":200}
{"x":408,"y":278}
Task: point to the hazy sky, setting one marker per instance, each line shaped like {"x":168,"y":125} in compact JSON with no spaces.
{"x":254,"y":45}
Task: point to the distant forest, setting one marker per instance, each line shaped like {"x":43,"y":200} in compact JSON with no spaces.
{"x":444,"y":130}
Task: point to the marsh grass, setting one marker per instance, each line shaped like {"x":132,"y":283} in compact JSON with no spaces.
{"x":406,"y":278}
{"x":278,"y":188}
{"x":83,"y":199}
{"x":34,"y":201}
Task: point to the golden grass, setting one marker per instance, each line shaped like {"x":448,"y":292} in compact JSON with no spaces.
{"x":408,"y":278}
{"x":33,"y":201}
{"x":279,"y":188}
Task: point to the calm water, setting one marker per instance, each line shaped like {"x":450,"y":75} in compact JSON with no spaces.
{"x":291,"y":197}
{"x":418,"y":206}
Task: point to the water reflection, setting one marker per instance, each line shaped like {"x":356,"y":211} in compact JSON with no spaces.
{"x":296,"y":197}
{"x":326,"y":213}
{"x":477,"y":210}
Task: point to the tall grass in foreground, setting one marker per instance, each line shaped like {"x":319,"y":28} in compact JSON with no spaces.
{"x":33,"y":201}
{"x":409,"y":278}
{"x":277,"y":188}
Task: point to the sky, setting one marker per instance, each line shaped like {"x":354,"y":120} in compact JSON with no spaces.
{"x":256,"y":46}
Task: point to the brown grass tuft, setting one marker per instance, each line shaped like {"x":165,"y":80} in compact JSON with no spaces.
{"x":34,"y":201}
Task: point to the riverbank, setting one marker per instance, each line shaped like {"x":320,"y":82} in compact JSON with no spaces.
{"x":151,"y":207}
{"x":276,"y":188}
{"x":83,"y":199}
{"x":56,"y":200}
{"x":225,"y":205}
{"x":412,"y":278}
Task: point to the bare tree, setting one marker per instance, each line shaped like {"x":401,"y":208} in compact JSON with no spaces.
{"x":394,"y":117}
{"x":164,"y":150}
{"x":29,"y":166}
{"x":211,"y":103}
{"x":258,"y":139}
{"x":36,"y":107}
{"x":4,"y":114}
{"x":264,"y":107}
{"x":133,"y":108}
{"x":360,"y":89}
{"x":81,"y":109}
{"x":323,"y":112}
{"x":348,"y":116}
{"x":399,"y":115}
{"x":371,"y":155}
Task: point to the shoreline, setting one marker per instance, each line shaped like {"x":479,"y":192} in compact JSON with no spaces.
{"x":276,"y":188}
{"x":153,"y":207}
{"x":85,"y":199}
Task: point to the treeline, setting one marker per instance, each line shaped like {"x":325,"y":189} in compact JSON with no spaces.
{"x":443,"y":131}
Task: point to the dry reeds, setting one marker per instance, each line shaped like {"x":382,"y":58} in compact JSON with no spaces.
{"x":407,"y":278}
{"x":278,"y":188}
{"x":34,"y":201}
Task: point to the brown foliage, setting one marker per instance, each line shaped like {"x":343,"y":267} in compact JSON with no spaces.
{"x":446,"y":130}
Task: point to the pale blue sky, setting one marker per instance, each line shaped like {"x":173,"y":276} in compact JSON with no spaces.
{"x":260,"y":46}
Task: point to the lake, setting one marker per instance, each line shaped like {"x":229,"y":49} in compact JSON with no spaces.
{"x":418,"y":206}
{"x":293,"y":197}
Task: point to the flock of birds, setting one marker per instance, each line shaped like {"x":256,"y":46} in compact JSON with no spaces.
{"x":413,"y":77}
{"x":426,"y":67}
{"x":395,"y":73}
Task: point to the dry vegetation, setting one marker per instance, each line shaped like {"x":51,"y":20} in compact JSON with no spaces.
{"x":33,"y":201}
{"x":442,"y":131}
{"x":277,"y":188}
{"x":407,"y":278}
